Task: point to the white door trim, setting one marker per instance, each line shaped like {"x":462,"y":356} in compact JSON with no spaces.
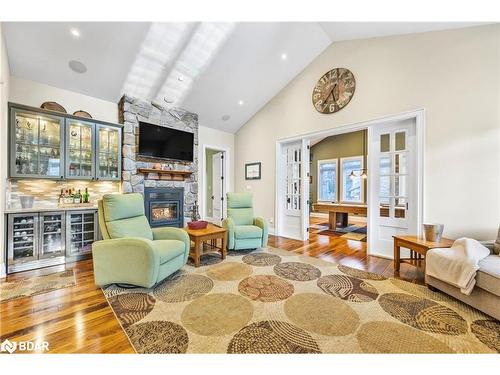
{"x":227,"y":155}
{"x":418,"y":115}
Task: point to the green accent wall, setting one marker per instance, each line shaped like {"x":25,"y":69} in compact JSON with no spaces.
{"x":336,"y":147}
{"x":210,"y":181}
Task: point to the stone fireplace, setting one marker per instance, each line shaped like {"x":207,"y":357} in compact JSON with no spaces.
{"x":131,"y":111}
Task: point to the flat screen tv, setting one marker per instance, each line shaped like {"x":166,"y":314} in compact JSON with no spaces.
{"x":165,"y":143}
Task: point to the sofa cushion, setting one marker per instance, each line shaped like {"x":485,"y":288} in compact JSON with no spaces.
{"x":122,"y":206}
{"x":241,"y":216}
{"x":488,"y":275}
{"x":132,"y":227}
{"x":169,"y":249}
{"x":247,"y":231}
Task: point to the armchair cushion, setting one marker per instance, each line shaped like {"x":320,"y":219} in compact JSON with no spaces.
{"x":168,"y":249}
{"x":132,"y":227}
{"x":122,"y":206}
{"x":247,"y":231}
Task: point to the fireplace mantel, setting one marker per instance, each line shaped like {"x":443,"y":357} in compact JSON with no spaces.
{"x":170,"y":174}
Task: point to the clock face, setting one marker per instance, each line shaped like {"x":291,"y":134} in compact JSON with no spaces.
{"x":334,"y":90}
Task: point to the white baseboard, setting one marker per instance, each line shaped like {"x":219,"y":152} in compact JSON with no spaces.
{"x":2,"y":270}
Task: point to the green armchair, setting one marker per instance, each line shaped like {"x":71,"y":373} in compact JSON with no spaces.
{"x":244,"y":230}
{"x":131,"y":252}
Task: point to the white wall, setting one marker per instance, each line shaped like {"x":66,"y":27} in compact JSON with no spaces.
{"x":23,"y":91}
{"x":454,"y":75}
{"x":4,"y":94}
{"x":216,"y":139}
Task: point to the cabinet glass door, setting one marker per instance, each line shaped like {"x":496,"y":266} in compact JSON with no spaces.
{"x":82,"y":232}
{"x":80,"y":146}
{"x":36,"y":145}
{"x":52,"y":234}
{"x":23,"y":238}
{"x":108,"y":150}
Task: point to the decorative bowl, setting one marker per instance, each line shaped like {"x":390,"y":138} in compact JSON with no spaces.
{"x":199,"y":224}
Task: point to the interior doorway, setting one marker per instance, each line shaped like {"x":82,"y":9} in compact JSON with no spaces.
{"x":215,"y":185}
{"x":380,"y":188}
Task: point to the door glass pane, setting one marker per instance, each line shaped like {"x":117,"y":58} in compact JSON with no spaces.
{"x":400,"y":208}
{"x":384,"y":209}
{"x":52,"y":239}
{"x":327,"y":181}
{"x":401,"y":163}
{"x":23,"y":238}
{"x":385,"y":186}
{"x":351,"y":180}
{"x":385,"y":142}
{"x":26,"y":144}
{"x":385,"y":165}
{"x":400,"y":141}
{"x":80,"y":150}
{"x":400,"y":188}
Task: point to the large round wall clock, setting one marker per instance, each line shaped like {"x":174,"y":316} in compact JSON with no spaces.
{"x":334,"y":90}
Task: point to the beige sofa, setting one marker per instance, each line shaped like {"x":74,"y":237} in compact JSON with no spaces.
{"x":486,"y":293}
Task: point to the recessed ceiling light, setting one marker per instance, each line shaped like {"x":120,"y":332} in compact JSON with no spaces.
{"x":75,"y":32}
{"x":168,"y":100}
{"x":77,"y":66}
{"x":284,"y":56}
{"x":225,"y":117}
{"x":241,"y":102}
{"x":180,"y":78}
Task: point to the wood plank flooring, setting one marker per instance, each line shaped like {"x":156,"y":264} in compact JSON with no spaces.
{"x":78,"y":319}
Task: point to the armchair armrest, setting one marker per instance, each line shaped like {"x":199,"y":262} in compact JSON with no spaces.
{"x":262,"y":224}
{"x":125,"y":260}
{"x":228,"y":223}
{"x":170,"y":233}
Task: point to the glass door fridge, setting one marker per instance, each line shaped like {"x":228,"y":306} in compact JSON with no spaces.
{"x":22,"y":241}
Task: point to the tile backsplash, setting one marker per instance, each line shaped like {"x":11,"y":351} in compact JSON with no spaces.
{"x":46,"y":192}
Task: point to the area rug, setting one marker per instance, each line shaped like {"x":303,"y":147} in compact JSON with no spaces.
{"x":276,"y":301}
{"x":351,"y":232}
{"x":36,"y":285}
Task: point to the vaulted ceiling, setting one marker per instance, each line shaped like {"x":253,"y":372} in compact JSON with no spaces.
{"x":225,"y":72}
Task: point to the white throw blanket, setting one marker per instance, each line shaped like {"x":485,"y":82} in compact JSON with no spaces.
{"x":458,"y":264}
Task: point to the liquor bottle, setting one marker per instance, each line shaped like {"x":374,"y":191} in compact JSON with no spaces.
{"x":86,"y":196}
{"x":79,"y":196}
{"x":61,"y":197}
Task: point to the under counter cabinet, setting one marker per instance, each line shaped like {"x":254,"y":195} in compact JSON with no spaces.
{"x":82,"y":231}
{"x":35,"y":240}
{"x":36,"y":146}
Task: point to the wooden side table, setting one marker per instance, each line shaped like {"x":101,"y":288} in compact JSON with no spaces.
{"x":418,"y":248}
{"x":211,"y":233}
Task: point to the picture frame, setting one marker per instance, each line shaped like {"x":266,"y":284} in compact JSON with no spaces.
{"x":253,"y":171}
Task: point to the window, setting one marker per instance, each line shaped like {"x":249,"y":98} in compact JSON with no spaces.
{"x":352,"y":187}
{"x":327,"y":180}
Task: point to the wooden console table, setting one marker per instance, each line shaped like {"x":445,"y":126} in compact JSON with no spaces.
{"x":211,"y":233}
{"x":418,"y":248}
{"x":339,"y":212}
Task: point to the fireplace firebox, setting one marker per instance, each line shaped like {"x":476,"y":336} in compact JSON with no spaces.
{"x":164,"y":206}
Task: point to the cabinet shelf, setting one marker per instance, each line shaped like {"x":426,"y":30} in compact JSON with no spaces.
{"x":166,"y":174}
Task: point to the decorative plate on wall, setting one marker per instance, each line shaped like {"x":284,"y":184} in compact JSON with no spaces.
{"x":53,"y":106}
{"x":334,"y":90}
{"x":81,"y":113}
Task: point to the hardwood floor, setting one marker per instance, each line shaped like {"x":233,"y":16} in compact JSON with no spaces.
{"x":78,"y":319}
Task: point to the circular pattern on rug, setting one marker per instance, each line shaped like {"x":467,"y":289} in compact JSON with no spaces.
{"x":423,"y":314}
{"x":321,"y":314}
{"x":180,"y":287}
{"x":228,"y":271}
{"x":265,"y":288}
{"x":348,"y":288}
{"x":297,"y":271}
{"x":217,"y":314}
{"x":237,"y":253}
{"x":272,"y":337}
{"x":488,"y":332}
{"x":389,"y":337}
{"x":360,"y":274}
{"x":261,"y":259}
{"x":159,"y":337}
{"x":207,"y":260}
{"x":131,"y":307}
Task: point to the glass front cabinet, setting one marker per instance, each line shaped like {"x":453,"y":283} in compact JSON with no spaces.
{"x":63,"y":147}
{"x":36,"y":147}
{"x":44,"y":239}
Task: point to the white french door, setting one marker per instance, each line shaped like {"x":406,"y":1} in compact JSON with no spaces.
{"x":294,"y":165}
{"x":218,"y":187}
{"x":392,"y":178}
